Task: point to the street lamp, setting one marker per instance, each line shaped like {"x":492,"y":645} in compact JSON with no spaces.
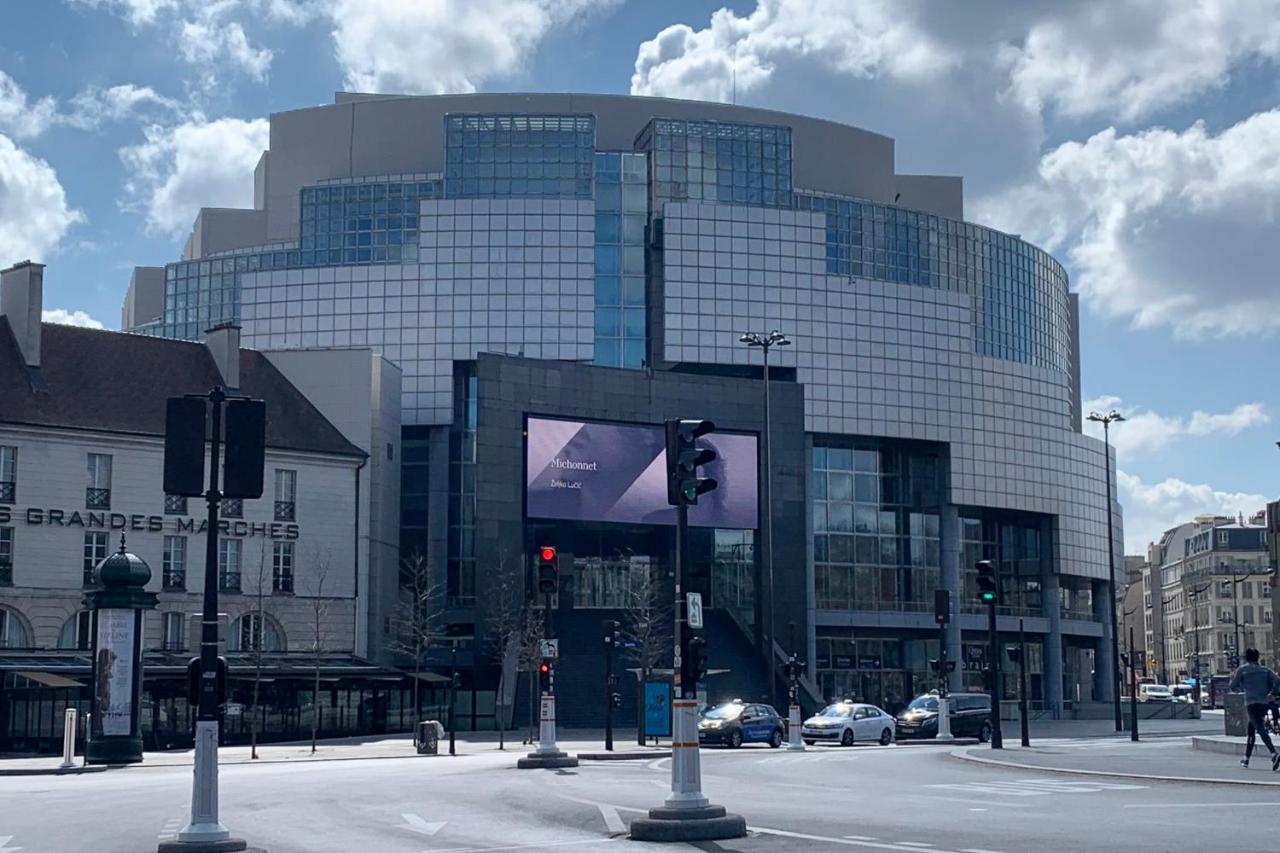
{"x":765,"y":343}
{"x":1106,"y":420}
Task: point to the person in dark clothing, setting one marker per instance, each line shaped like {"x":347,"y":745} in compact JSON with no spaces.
{"x":1257,"y":682}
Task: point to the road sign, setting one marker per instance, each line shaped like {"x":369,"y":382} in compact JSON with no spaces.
{"x":693,"y":610}
{"x":628,"y":644}
{"x":547,"y":709}
{"x":234,"y":709}
{"x":549,"y":648}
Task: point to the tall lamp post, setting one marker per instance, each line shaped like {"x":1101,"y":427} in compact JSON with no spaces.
{"x":765,"y":343}
{"x":1106,"y":420}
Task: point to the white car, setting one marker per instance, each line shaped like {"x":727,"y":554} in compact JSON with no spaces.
{"x":1154,"y":693}
{"x":847,"y":723}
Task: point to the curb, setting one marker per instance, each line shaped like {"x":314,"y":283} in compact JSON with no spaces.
{"x":633,"y":755}
{"x":963,"y":755}
{"x":56,"y":771}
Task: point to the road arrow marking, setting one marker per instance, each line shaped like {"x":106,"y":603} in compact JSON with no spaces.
{"x":413,"y":823}
{"x":4,"y":845}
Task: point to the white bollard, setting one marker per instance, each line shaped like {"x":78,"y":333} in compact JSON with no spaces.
{"x":68,"y":739}
{"x":547,"y":727}
{"x":686,"y":767}
{"x":204,"y":825}
{"x":794,"y":743}
{"x":944,"y":719}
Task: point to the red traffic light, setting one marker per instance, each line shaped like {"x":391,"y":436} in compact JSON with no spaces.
{"x":544,"y":667}
{"x":547,"y":553}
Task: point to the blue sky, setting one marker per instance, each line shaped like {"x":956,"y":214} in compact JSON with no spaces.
{"x":1134,"y":139}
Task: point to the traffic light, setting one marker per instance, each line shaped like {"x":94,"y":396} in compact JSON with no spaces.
{"x":933,"y":665}
{"x":988,"y":587}
{"x":942,"y":606}
{"x":615,"y":699}
{"x":1014,"y":653}
{"x":610,"y":628}
{"x":548,"y":570}
{"x":544,"y":676}
{"x":693,"y":664}
{"x":683,"y":459}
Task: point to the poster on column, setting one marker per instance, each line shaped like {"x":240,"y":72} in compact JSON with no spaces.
{"x":114,"y":671}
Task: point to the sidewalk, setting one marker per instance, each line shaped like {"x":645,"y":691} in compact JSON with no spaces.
{"x":588,"y":742}
{"x":1168,"y":759}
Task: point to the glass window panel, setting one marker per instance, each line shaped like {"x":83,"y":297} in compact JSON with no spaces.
{"x":633,"y":290}
{"x":607,"y":287}
{"x":608,"y":228}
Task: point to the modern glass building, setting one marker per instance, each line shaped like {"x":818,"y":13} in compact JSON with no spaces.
{"x":591,"y":259}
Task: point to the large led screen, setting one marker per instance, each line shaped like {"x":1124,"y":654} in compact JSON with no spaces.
{"x":617,"y":472}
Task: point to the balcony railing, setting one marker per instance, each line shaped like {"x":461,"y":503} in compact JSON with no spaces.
{"x":8,"y":491}
{"x":232,"y":508}
{"x":97,"y":498}
{"x":285,"y":511}
{"x":6,"y":573}
{"x":282,"y":584}
{"x":175,"y":580}
{"x":229,"y":581}
{"x":90,"y":575}
{"x":175,"y":504}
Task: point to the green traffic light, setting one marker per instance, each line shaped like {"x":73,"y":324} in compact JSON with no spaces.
{"x":988,"y":596}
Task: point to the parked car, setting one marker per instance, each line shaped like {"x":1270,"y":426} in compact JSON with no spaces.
{"x":848,"y":722}
{"x":735,"y":723}
{"x":970,"y":715}
{"x":1154,"y":693}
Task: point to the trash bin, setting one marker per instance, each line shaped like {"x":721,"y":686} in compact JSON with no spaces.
{"x":428,"y":737}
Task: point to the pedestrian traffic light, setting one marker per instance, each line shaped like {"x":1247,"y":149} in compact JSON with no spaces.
{"x":1014,"y":653}
{"x":942,"y":606}
{"x":548,"y":570}
{"x":693,"y":664}
{"x":615,"y":699}
{"x":544,"y":676}
{"x":683,"y":459}
{"x":988,"y":588}
{"x":933,"y":665}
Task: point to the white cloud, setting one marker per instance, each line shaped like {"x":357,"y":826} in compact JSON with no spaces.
{"x":34,"y":214}
{"x":70,"y":318}
{"x":21,"y":117}
{"x":1165,"y":228}
{"x":1152,"y":508}
{"x":95,"y":105}
{"x":137,"y":12}
{"x":1145,"y":432}
{"x":195,"y":164}
{"x":1132,"y":58}
{"x":442,"y":46}
{"x":207,"y":41}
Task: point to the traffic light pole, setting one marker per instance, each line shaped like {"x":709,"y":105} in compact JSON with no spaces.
{"x":997,"y":738}
{"x":1022,"y":683}
{"x":608,"y":692}
{"x":686,"y":768}
{"x":547,"y":754}
{"x":204,"y":827}
{"x":1133,"y":691}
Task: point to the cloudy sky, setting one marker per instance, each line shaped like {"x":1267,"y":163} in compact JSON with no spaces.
{"x":1137,"y":140}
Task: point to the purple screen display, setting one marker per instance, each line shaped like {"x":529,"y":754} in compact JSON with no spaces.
{"x":618,"y":473}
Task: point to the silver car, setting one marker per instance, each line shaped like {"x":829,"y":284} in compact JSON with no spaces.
{"x":847,"y":723}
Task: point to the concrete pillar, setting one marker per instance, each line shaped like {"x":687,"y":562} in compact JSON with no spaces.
{"x":950,"y":557}
{"x":1053,"y":659}
{"x":1104,"y":685}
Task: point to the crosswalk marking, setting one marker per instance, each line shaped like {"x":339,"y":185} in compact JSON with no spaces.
{"x":170,"y":830}
{"x":1035,"y":787}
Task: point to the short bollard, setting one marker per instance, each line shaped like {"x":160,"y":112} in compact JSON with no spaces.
{"x":68,"y":740}
{"x":794,"y":743}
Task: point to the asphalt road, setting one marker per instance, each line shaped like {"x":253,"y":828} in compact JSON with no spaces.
{"x":900,"y":798}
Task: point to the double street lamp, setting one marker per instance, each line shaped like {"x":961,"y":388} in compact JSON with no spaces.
{"x":766,"y":343}
{"x":1107,"y":420}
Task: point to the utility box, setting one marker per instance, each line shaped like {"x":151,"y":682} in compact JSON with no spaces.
{"x":427,"y":739}
{"x":1237,"y":721}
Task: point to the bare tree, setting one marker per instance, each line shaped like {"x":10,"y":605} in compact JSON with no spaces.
{"x":418,"y":619}
{"x":529,"y":653}
{"x":260,"y":615}
{"x":506,"y":621}
{"x":319,"y":573}
{"x":646,"y":619}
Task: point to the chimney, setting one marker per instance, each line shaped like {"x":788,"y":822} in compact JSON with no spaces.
{"x":223,"y":342}
{"x":21,"y":300}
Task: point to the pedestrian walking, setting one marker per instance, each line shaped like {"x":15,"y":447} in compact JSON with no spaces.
{"x":1257,"y":682}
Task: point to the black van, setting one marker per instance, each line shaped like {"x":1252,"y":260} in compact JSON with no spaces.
{"x":970,"y":715}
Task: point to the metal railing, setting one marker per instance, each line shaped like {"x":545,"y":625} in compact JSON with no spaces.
{"x":282,"y":583}
{"x":286,"y":511}
{"x":232,"y":508}
{"x":175,"y":580}
{"x":8,"y":491}
{"x":97,"y":498}
{"x":229,"y":581}
{"x":6,"y":573}
{"x":175,"y":504}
